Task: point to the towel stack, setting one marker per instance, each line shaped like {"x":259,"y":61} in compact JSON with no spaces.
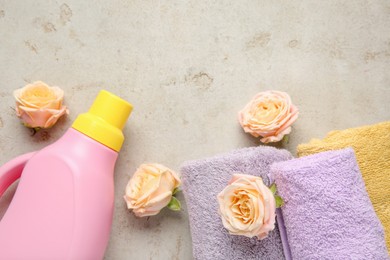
{"x":372,"y":147}
{"x":327,"y":212}
{"x":331,"y":208}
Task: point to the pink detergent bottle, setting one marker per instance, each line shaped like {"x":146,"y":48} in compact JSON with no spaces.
{"x":63,"y":206}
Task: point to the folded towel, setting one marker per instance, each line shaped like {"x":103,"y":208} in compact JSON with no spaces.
{"x":372,"y":147}
{"x":327,"y":212}
{"x":203,"y":180}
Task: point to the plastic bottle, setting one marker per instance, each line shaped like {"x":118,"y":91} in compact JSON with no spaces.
{"x":63,"y":206}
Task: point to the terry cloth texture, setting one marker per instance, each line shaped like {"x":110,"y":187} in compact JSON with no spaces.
{"x":203,"y":180}
{"x":372,"y":147}
{"x":327,"y":211}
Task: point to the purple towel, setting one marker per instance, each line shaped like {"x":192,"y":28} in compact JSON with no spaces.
{"x":203,"y":180}
{"x":327,"y":212}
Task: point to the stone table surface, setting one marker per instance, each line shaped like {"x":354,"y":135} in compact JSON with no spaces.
{"x":188,"y":67}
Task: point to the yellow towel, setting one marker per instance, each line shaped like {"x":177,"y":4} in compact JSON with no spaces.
{"x":372,"y":148}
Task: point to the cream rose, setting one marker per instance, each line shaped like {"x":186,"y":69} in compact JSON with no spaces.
{"x":269,"y":115}
{"x":247,"y":207}
{"x":38,"y":105}
{"x":150,"y":189}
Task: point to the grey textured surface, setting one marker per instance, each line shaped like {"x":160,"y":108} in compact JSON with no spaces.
{"x":188,"y":67}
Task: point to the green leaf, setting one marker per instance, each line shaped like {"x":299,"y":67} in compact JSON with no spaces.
{"x":279,"y":201}
{"x":285,"y":139}
{"x":174,"y":204}
{"x":273,"y":188}
{"x":33,"y":130}
{"x":176,"y":190}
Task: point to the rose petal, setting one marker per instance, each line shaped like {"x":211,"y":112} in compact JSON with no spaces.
{"x":268,"y":115}
{"x":150,"y":189}
{"x":39,"y":105}
{"x":158,"y":202}
{"x":247,"y":207}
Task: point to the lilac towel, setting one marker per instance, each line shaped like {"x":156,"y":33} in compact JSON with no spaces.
{"x":203,"y":180}
{"x":327,"y":212}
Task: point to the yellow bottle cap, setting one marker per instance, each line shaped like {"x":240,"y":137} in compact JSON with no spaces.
{"x":105,"y":120}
